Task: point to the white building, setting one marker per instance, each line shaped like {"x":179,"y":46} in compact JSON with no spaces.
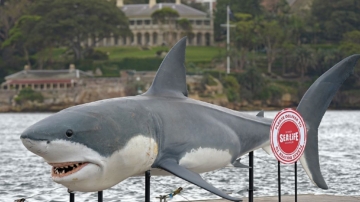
{"x":147,"y":32}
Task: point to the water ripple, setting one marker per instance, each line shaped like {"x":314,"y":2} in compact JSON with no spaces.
{"x":24,"y":174}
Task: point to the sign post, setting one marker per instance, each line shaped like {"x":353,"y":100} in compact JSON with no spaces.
{"x":295,"y":181}
{"x":288,"y":136}
{"x":279,"y":182}
{"x":251,"y":176}
{"x":147,"y":186}
{"x":100,"y":196}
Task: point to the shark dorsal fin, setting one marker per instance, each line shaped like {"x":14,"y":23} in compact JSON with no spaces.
{"x":170,"y":79}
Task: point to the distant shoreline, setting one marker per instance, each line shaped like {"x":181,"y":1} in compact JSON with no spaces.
{"x":241,"y":110}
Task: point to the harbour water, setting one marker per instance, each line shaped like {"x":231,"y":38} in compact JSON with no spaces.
{"x":25,"y":175}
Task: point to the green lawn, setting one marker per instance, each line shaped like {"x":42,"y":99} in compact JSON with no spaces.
{"x":202,"y":53}
{"x":193,"y":53}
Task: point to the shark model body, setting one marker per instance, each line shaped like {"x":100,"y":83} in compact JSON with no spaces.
{"x":94,"y":146}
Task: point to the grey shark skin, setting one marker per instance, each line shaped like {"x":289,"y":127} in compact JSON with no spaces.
{"x":164,"y":130}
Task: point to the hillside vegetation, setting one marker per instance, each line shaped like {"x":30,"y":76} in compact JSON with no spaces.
{"x":276,"y":51}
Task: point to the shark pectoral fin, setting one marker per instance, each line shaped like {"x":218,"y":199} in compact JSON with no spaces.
{"x":172,"y":167}
{"x":238,"y":164}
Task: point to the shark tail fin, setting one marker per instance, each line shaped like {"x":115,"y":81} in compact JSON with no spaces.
{"x":312,"y":107}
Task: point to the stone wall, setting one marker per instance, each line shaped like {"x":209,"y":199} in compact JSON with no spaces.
{"x":94,"y":89}
{"x":6,"y":98}
{"x":54,"y":100}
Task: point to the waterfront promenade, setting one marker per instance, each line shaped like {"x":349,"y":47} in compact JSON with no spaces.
{"x":301,"y":198}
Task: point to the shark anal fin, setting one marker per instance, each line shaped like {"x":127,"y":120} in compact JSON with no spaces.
{"x":174,"y":168}
{"x":260,"y":114}
{"x":267,"y":149}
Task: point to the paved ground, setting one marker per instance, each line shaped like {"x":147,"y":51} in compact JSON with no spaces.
{"x":301,"y":198}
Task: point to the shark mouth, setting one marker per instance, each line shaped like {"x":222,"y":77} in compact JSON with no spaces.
{"x":65,"y":169}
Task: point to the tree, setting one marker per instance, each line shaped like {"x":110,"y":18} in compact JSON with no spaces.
{"x":9,"y":14}
{"x":325,"y":59}
{"x":185,"y":25}
{"x":296,"y":28}
{"x":336,"y":17}
{"x":245,"y":36}
{"x":351,"y":42}
{"x":21,"y":35}
{"x":271,"y":36}
{"x":304,"y":58}
{"x":276,"y":7}
{"x":232,"y":88}
{"x":168,"y":17}
{"x":70,"y":23}
{"x":252,"y":7}
{"x":28,"y":94}
{"x":251,"y":82}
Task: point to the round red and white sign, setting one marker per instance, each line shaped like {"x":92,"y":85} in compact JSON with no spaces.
{"x":288,"y":136}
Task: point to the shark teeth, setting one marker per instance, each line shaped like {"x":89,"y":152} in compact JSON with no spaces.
{"x":65,"y":169}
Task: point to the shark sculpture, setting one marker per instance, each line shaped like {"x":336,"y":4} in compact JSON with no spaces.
{"x":94,"y":146}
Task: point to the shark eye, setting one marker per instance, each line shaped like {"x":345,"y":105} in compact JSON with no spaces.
{"x":69,"y":133}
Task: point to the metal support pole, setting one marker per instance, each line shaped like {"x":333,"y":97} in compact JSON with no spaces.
{"x":100,"y":196}
{"x":147,"y":186}
{"x":72,"y":197}
{"x":251,"y":176}
{"x":296,"y":181}
{"x":279,"y":181}
{"x":228,"y":39}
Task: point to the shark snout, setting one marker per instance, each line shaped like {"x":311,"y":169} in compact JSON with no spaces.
{"x":35,"y":135}
{"x":35,"y":146}
{"x":35,"y":141}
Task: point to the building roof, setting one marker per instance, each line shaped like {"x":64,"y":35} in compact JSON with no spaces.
{"x":47,"y":74}
{"x":144,"y":10}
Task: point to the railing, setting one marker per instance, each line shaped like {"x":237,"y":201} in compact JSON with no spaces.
{"x":157,"y":27}
{"x":250,"y":190}
{"x":147,"y":184}
{"x":100,"y":197}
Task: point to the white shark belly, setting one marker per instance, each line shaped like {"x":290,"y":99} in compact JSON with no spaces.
{"x":205,"y":159}
{"x":200,"y":160}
